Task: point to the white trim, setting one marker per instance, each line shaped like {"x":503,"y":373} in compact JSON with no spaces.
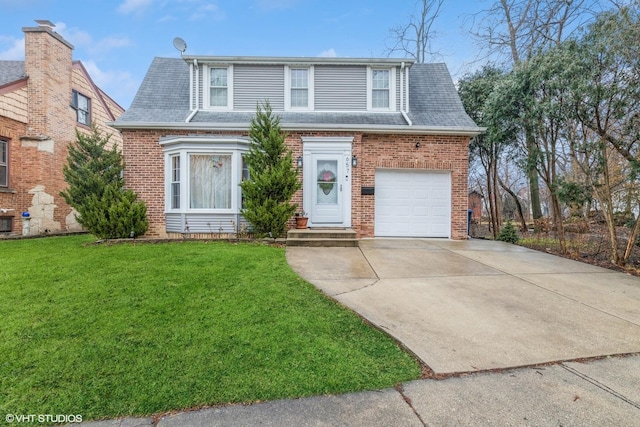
{"x":310,"y":88}
{"x":279,"y":60}
{"x":406,"y":72}
{"x":207,"y":92}
{"x":404,"y":129}
{"x":191,"y":94}
{"x":184,"y":147}
{"x":340,"y":146}
{"x":392,"y":89}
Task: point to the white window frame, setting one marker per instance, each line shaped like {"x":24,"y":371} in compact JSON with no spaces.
{"x":392,"y":88}
{"x":288,"y":88}
{"x":209,"y":147}
{"x":207,"y":88}
{"x":173,"y":179}
{"x":5,"y":162}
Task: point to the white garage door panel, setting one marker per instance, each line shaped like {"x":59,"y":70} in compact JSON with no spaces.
{"x":410,"y":203}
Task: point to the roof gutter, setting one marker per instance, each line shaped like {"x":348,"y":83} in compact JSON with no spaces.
{"x":195,"y":107}
{"x":426,"y":130}
{"x":404,"y":81}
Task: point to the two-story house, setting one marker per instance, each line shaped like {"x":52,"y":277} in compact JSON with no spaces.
{"x":43,"y":101}
{"x":381,"y":144}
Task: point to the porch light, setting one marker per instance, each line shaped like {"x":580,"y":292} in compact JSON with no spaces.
{"x":300,"y":162}
{"x":354,"y":161}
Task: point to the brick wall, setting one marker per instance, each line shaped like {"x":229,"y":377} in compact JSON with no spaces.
{"x":40,"y":123}
{"x":13,"y":196}
{"x":145,"y":170}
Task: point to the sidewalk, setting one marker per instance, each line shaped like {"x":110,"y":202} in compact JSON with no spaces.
{"x":598,"y":393}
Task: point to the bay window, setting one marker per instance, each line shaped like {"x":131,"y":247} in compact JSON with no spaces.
{"x":203,"y":174}
{"x":210,"y":181}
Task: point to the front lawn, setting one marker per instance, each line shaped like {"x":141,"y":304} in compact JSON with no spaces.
{"x":136,"y":329}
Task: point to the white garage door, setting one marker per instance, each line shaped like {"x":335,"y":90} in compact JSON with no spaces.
{"x":410,"y":203}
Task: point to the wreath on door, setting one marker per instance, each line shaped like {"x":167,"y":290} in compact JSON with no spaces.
{"x":326,"y":181}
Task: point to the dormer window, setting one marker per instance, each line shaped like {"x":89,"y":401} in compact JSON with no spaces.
{"x":220,"y":87}
{"x":299,"y":88}
{"x":381,"y":89}
{"x":82,"y":105}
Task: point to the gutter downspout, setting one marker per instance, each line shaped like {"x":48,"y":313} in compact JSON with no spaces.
{"x":404,"y":81}
{"x":197,"y":90}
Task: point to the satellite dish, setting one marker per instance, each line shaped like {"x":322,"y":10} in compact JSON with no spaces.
{"x":180,"y":44}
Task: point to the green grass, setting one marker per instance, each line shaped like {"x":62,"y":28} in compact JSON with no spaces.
{"x":136,"y":329}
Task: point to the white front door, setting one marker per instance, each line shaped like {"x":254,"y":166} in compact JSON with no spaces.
{"x":327,"y":189}
{"x":327,"y":181}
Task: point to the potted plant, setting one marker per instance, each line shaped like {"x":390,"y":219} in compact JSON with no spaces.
{"x":301,"y":220}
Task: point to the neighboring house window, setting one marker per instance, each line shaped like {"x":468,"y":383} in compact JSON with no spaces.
{"x":82,"y":105}
{"x":175,"y":182}
{"x":220,"y":84}
{"x":4,"y":163}
{"x":6,"y":224}
{"x":380,"y":89}
{"x":210,"y":181}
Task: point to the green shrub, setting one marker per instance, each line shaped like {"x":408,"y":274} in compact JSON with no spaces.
{"x":117,"y":214}
{"x":96,"y":189}
{"x":272,"y":177}
{"x":509,"y":233}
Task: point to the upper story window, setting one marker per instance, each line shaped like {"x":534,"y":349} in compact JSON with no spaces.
{"x":299,"y":88}
{"x":220,"y":87}
{"x":82,"y":105}
{"x":4,"y":163}
{"x":380,"y":88}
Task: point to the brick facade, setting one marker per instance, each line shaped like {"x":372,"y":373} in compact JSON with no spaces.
{"x":144,"y":171}
{"x":39,"y":123}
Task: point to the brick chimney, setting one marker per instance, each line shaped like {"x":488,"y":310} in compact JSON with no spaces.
{"x":48,"y":65}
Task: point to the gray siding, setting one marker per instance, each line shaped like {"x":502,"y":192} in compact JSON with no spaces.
{"x":203,"y":223}
{"x":253,"y":84}
{"x":340,"y":88}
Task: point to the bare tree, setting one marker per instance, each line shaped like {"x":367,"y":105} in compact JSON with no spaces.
{"x":415,"y":38}
{"x":517,"y":30}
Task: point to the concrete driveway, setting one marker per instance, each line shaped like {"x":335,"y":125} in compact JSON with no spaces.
{"x":464,"y":306}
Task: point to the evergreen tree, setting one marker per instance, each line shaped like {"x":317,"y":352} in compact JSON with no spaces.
{"x":272,"y":177}
{"x":96,"y":189}
{"x":508,"y":233}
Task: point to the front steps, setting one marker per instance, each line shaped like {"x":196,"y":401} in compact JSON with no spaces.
{"x":322,"y":237}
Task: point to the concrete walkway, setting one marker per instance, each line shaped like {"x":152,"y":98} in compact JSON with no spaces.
{"x":464,"y":307}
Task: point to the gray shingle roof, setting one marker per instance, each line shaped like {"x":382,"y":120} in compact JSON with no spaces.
{"x":163,"y":98}
{"x":11,"y":71}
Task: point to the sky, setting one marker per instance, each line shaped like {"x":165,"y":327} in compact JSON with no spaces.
{"x":116,"y":40}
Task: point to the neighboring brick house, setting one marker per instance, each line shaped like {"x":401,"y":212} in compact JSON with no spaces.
{"x":43,"y":100}
{"x":382,"y":143}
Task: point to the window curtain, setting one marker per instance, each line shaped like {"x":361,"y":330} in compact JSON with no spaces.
{"x":210,"y":181}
